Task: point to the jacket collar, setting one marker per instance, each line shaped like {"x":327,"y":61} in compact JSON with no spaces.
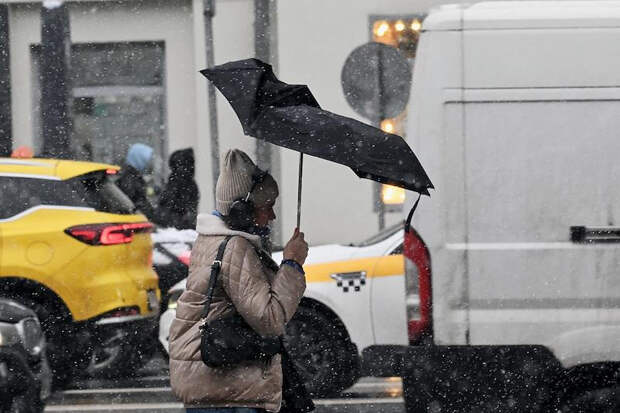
{"x":209,"y":224}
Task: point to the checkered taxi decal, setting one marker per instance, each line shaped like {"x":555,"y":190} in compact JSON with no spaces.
{"x":350,"y":280}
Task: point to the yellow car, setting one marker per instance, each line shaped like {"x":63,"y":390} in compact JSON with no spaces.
{"x":73,"y":249}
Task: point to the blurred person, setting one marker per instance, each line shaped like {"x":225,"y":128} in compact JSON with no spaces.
{"x":178,"y":203}
{"x":250,"y":284}
{"x":131,"y":181}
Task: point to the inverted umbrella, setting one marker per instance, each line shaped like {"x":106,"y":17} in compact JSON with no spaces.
{"x":289,"y":116}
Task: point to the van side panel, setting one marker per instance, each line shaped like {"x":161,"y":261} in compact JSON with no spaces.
{"x":541,"y":124}
{"x":536,"y":168}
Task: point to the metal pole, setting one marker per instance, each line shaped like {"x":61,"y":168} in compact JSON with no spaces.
{"x":56,"y":90}
{"x":265,"y":49}
{"x":262,"y":51}
{"x":381,"y":208}
{"x":6,"y":144}
{"x":299,"y":182}
{"x":209,"y":12}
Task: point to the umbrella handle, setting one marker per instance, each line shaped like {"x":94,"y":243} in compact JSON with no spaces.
{"x":301,"y":169}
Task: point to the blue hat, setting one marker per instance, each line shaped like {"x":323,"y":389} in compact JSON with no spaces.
{"x":139,"y":156}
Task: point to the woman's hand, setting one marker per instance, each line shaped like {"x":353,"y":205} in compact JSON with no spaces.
{"x":296,"y":248}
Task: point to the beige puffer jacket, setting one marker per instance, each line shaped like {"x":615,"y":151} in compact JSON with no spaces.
{"x":265,"y":299}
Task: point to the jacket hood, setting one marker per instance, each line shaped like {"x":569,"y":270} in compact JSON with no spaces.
{"x":139,"y":156}
{"x":209,"y":224}
{"x":182,"y":162}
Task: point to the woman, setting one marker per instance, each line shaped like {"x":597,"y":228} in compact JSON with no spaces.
{"x":248,"y":285}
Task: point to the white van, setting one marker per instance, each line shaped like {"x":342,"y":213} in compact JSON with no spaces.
{"x":515,"y":114}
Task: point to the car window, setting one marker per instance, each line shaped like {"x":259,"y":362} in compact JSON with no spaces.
{"x":20,"y":194}
{"x":93,"y":190}
{"x":99,"y":192}
{"x":398,"y":250}
{"x":380,"y":236}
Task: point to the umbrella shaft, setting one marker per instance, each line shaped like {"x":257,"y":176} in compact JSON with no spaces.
{"x":301,"y":169}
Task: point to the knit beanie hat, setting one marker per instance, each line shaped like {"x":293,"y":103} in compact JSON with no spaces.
{"x":235,"y":181}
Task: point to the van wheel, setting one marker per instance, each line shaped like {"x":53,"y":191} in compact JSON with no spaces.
{"x":605,"y":400}
{"x":322,"y":351}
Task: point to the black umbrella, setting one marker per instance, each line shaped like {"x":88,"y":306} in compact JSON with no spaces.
{"x":289,"y":116}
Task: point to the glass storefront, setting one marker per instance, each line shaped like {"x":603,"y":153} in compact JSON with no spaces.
{"x":118,"y":99}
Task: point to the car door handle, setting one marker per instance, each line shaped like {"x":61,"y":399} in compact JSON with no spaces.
{"x":594,"y":235}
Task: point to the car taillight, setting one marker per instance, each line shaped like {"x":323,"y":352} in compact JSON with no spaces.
{"x":108,"y":234}
{"x":418,"y":287}
{"x":185,"y":256}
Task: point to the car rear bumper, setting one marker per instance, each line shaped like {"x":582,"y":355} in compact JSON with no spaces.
{"x":134,"y":325}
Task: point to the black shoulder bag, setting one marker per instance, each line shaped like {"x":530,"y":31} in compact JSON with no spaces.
{"x":230,"y":340}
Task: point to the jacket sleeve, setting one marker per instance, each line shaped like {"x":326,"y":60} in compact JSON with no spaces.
{"x":265,"y":306}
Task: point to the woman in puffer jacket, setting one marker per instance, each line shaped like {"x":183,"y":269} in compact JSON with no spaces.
{"x":265,"y":296}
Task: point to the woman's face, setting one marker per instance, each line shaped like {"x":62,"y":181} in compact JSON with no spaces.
{"x":263,"y":215}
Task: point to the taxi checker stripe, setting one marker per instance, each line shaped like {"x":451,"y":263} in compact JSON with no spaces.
{"x":349,"y":280}
{"x":375,"y":267}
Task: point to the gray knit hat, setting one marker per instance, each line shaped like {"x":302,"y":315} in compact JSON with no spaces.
{"x":235,"y":181}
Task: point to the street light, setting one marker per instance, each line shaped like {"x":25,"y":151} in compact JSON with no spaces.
{"x":416,"y":25}
{"x":381,"y":28}
{"x":392,"y":195}
{"x":387,"y":125}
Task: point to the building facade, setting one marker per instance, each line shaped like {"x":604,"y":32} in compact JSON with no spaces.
{"x":135,"y":79}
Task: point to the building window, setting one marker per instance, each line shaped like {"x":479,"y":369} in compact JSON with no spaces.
{"x":118,"y":99}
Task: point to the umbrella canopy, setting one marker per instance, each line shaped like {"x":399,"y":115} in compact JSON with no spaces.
{"x":289,"y":116}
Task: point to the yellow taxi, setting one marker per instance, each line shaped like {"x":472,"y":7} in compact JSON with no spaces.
{"x":73,"y":248}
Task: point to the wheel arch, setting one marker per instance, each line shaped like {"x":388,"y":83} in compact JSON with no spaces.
{"x":325,"y":310}
{"x":15,"y":287}
{"x":591,"y":345}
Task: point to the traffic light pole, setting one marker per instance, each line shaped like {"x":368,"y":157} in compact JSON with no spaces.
{"x":209,"y":13}
{"x":265,"y":49}
{"x":262,"y":51}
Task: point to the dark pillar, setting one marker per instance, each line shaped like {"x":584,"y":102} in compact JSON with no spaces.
{"x":6,"y":143}
{"x":56,"y":90}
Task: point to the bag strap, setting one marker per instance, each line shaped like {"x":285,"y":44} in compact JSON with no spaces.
{"x":215,"y":271}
